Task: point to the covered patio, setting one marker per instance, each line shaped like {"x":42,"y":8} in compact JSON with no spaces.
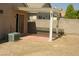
{"x":49,"y":36}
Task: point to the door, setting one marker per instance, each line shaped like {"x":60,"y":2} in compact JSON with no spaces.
{"x":19,"y":23}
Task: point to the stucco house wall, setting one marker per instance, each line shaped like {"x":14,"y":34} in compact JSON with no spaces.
{"x":8,"y":19}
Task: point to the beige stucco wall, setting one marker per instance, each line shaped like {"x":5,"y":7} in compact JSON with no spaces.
{"x":8,"y":20}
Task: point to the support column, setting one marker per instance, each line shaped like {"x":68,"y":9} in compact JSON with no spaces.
{"x":51,"y":26}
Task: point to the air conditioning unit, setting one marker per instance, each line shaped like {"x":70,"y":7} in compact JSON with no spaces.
{"x":13,"y":36}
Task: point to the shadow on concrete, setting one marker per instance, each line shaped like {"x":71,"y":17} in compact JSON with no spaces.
{"x":4,"y":39}
{"x":59,"y":35}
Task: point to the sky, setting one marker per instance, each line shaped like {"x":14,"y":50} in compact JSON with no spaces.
{"x":64,"y":5}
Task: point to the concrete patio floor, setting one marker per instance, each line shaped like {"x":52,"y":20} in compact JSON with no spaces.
{"x":37,"y":37}
{"x":35,"y":45}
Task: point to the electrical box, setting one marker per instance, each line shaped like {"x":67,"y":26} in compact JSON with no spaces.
{"x":13,"y":36}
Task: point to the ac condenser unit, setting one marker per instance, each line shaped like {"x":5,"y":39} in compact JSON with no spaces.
{"x":13,"y":36}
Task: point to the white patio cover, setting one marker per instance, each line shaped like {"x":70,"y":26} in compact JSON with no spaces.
{"x":36,"y":10}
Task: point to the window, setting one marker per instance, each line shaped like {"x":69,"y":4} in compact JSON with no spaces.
{"x":32,"y":16}
{"x":43,"y":16}
{"x":39,"y":17}
{"x":1,"y":11}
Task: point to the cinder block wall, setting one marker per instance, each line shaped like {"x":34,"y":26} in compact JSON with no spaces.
{"x":70,"y":26}
{"x":45,"y":24}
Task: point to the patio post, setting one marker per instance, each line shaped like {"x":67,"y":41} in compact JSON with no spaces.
{"x":50,"y":26}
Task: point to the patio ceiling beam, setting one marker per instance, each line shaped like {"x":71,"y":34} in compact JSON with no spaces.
{"x":34,"y":10}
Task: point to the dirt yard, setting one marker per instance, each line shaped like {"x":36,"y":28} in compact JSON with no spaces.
{"x":39,"y":46}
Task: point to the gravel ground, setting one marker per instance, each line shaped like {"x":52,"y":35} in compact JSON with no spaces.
{"x":67,"y":45}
